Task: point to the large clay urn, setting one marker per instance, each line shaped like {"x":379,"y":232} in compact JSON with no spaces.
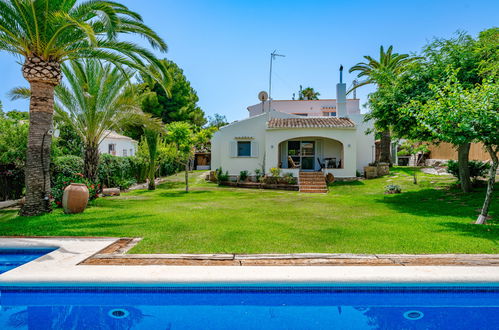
{"x":75,"y":198}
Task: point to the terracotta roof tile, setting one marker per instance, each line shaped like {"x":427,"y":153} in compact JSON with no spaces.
{"x":310,"y":122}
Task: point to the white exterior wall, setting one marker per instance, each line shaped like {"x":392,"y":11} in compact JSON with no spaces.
{"x":120,"y":144}
{"x":253,"y":128}
{"x":311,"y":108}
{"x":365,"y":142}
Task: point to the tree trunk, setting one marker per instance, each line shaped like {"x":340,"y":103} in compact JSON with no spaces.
{"x":151,"y":180}
{"x":187,"y":176}
{"x":463,"y":152}
{"x":43,"y":77}
{"x":91,"y":163}
{"x":385,"y":146}
{"x":152,"y":146}
{"x":482,"y":218}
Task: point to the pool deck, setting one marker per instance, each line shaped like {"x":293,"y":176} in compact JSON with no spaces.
{"x":103,"y":261}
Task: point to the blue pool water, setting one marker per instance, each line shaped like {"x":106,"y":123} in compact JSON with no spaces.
{"x":11,"y":258}
{"x":251,"y":307}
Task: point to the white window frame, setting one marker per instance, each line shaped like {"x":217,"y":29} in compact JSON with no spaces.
{"x":234,"y":150}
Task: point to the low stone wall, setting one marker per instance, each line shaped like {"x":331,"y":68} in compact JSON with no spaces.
{"x":371,"y":172}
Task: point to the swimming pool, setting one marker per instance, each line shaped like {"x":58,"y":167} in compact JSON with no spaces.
{"x":11,"y":258}
{"x":251,"y":307}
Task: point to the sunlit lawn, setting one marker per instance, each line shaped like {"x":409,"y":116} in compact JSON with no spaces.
{"x":354,"y":217}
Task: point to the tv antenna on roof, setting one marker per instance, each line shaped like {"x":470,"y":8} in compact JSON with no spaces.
{"x":272,"y":58}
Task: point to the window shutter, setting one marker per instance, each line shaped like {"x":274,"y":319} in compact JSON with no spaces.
{"x":254,"y":149}
{"x":233,"y":149}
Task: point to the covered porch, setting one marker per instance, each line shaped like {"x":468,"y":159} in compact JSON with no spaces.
{"x":310,"y":154}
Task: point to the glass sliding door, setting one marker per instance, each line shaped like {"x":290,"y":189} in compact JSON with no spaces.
{"x":301,"y":154}
{"x":307,"y":155}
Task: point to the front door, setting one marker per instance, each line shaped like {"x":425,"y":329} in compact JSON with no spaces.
{"x":307,"y":155}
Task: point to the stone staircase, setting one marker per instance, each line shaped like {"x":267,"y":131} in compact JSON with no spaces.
{"x":312,"y":182}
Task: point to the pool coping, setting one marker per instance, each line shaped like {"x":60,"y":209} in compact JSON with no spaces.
{"x":86,"y":261}
{"x":116,"y":254}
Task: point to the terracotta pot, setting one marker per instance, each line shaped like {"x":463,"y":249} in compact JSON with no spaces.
{"x":75,"y":198}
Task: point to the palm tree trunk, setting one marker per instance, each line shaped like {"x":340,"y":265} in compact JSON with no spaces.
{"x":385,"y":146}
{"x":91,"y":163}
{"x":152,"y":170}
{"x":37,"y":176}
{"x":463,"y":152}
{"x":482,"y":218}
{"x":43,"y":77}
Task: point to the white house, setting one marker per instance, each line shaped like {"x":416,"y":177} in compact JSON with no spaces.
{"x":297,"y":136}
{"x":117,"y":145}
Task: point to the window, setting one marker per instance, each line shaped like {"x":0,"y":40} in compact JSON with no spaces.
{"x":131,"y":152}
{"x":329,"y":113}
{"x":112,"y":149}
{"x":301,"y":114}
{"x":124,"y":153}
{"x":243,"y":149}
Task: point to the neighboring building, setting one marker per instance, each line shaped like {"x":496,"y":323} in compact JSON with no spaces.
{"x":314,"y":135}
{"x":117,"y":145}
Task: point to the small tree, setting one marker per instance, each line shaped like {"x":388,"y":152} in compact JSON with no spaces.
{"x":182,"y":137}
{"x":413,"y":149}
{"x":459,"y":115}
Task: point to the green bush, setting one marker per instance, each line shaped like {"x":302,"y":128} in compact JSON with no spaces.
{"x":477,"y":169}
{"x":220,"y":176}
{"x":117,"y":171}
{"x":67,"y":165}
{"x":243,"y":175}
{"x":258,"y":174}
{"x":289,"y":178}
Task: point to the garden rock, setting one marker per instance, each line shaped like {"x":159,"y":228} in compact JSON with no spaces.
{"x":111,"y":192}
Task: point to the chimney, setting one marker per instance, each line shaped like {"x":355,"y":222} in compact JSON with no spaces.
{"x":341,"y":97}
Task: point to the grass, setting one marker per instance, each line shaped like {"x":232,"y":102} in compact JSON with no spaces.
{"x":354,"y":217}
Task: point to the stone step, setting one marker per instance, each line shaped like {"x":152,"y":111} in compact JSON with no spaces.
{"x":308,"y":187}
{"x":314,"y":191}
{"x":322,"y":183}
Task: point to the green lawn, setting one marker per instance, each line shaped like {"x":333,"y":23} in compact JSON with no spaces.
{"x":353,"y":217}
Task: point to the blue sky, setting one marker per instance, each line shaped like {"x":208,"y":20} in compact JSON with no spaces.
{"x":224,"y":46}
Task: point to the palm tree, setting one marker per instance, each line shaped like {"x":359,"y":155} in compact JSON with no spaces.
{"x":309,"y":94}
{"x":388,"y":62}
{"x":46,"y":33}
{"x":97,"y":99}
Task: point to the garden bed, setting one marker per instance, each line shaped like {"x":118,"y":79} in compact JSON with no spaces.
{"x":258,"y":185}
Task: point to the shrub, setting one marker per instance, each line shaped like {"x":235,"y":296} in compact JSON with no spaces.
{"x":258,"y":174}
{"x":477,"y":169}
{"x":243,"y":175}
{"x":393,"y":189}
{"x":220,"y":176}
{"x":67,"y":165}
{"x":117,"y":171}
{"x":275,"y":171}
{"x":289,"y":178}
